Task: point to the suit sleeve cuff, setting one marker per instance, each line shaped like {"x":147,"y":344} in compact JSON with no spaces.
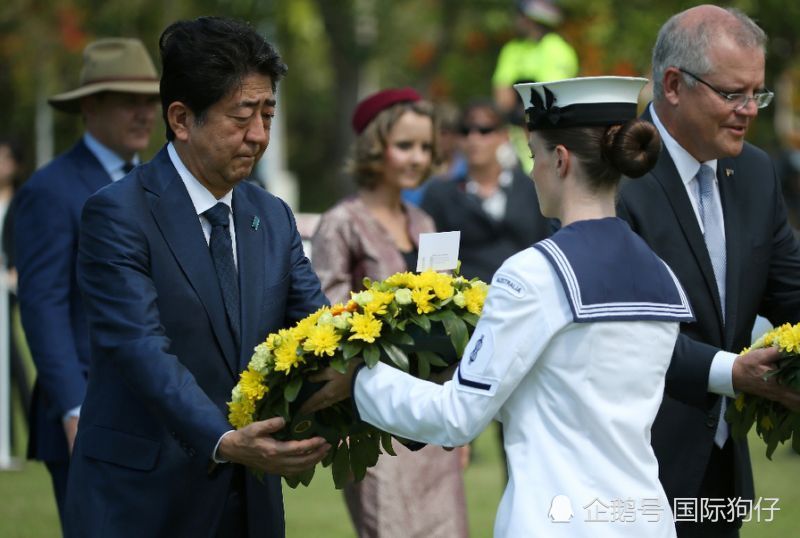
{"x":214,"y":455}
{"x":720,"y":375}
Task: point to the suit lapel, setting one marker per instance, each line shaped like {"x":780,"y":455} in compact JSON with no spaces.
{"x":250,"y":250}
{"x":669,"y":179}
{"x":726,"y":175}
{"x":90,"y":171}
{"x":176,"y":218}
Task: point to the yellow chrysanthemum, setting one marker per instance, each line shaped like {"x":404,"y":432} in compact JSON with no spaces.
{"x":251,"y":385}
{"x":787,"y":338}
{"x":322,"y":339}
{"x":426,"y":279}
{"x":305,"y":325}
{"x":365,"y":327}
{"x":401,"y":280}
{"x":286,"y":354}
{"x":422,"y":298}
{"x":766,"y":423}
{"x":443,"y":287}
{"x":380,"y":300}
{"x":474,"y":298}
{"x":240,"y":414}
{"x":739,"y":402}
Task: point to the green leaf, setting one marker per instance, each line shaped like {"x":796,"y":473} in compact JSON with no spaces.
{"x":341,"y":465}
{"x":396,"y":355}
{"x":399,"y":338}
{"x":423,"y":366}
{"x":358,"y":456}
{"x":292,"y":388}
{"x":457,"y":330}
{"x":433,"y":358}
{"x":423,"y":322}
{"x":339,"y":364}
{"x":307,"y":475}
{"x":351,"y":349}
{"x":470,"y":318}
{"x":371,"y":356}
{"x":292,"y":481}
{"x":386,"y":443}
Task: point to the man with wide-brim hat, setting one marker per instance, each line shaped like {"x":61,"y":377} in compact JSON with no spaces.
{"x":117,"y":98}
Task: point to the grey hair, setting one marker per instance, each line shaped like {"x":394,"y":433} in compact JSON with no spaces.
{"x":686,"y":46}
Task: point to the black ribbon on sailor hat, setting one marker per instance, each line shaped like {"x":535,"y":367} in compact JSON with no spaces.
{"x":544,"y":113}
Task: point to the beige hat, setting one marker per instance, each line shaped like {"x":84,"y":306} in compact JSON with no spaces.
{"x":112,"y":64}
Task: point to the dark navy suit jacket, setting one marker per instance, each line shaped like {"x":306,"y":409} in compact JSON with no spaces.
{"x":763,"y":277}
{"x":47,"y":216}
{"x":163,"y":358}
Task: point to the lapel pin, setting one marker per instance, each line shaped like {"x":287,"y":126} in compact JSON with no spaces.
{"x":728,"y":172}
{"x":256,"y":222}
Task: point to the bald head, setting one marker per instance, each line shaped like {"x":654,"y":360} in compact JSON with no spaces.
{"x":685,"y":39}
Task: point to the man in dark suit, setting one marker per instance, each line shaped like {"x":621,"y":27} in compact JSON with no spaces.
{"x":117,"y":99}
{"x":185,"y":267}
{"x":493,"y":204}
{"x":712,"y":209}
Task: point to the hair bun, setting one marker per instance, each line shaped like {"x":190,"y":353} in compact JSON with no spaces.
{"x":633,"y":147}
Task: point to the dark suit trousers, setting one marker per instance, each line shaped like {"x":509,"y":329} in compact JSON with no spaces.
{"x":717,"y":483}
{"x":234,"y":516}
{"x":59,"y":474}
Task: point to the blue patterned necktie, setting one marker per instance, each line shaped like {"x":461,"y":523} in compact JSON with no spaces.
{"x":715,"y":244}
{"x":222,"y":254}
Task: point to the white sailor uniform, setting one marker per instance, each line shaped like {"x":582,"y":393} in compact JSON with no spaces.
{"x":570,"y":355}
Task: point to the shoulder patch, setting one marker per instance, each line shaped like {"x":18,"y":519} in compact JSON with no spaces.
{"x":509,"y":284}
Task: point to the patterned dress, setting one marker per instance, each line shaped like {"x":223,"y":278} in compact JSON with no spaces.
{"x":416,"y":494}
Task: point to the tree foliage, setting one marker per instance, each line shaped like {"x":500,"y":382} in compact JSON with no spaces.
{"x":340,"y":50}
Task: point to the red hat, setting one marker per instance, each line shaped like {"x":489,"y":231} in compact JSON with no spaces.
{"x":375,"y":103}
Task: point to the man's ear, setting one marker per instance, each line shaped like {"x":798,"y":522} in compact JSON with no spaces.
{"x":180,"y":119}
{"x":673,"y":85}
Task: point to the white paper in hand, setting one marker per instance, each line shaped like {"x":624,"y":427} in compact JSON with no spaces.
{"x":438,"y":251}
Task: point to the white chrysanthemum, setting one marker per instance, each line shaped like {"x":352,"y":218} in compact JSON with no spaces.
{"x":403,"y":296}
{"x":363,"y":298}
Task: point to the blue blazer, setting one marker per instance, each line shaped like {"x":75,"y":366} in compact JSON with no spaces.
{"x":47,"y":215}
{"x":164,"y":361}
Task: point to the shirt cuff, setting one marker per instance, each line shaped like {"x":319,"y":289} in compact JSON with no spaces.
{"x":720,"y":375}
{"x":214,"y":456}
{"x":72,"y":413}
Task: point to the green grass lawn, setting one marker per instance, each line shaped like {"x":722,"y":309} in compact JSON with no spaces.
{"x":27,"y":509}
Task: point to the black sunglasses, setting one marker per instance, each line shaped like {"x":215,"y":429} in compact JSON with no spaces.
{"x":465,"y":130}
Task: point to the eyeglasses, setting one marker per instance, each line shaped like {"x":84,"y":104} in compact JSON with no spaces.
{"x":465,"y":130}
{"x":737,"y":100}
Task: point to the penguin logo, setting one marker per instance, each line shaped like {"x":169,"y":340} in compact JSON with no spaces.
{"x":560,"y":509}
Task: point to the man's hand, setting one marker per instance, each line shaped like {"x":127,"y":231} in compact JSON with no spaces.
{"x":70,"y":430}
{"x":338,"y":387}
{"x":749,"y":375}
{"x":254,"y":447}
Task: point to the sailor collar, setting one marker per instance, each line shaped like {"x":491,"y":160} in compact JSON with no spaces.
{"x":610,"y":274}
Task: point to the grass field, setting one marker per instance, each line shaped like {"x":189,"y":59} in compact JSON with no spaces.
{"x":27,"y":509}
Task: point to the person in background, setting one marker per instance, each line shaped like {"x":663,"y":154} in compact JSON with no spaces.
{"x":117,"y":100}
{"x":538,"y":54}
{"x":375,"y":234}
{"x":450,"y":162}
{"x":11,"y":162}
{"x":494,"y":204}
{"x":712,"y":209}
{"x":558,"y":353}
